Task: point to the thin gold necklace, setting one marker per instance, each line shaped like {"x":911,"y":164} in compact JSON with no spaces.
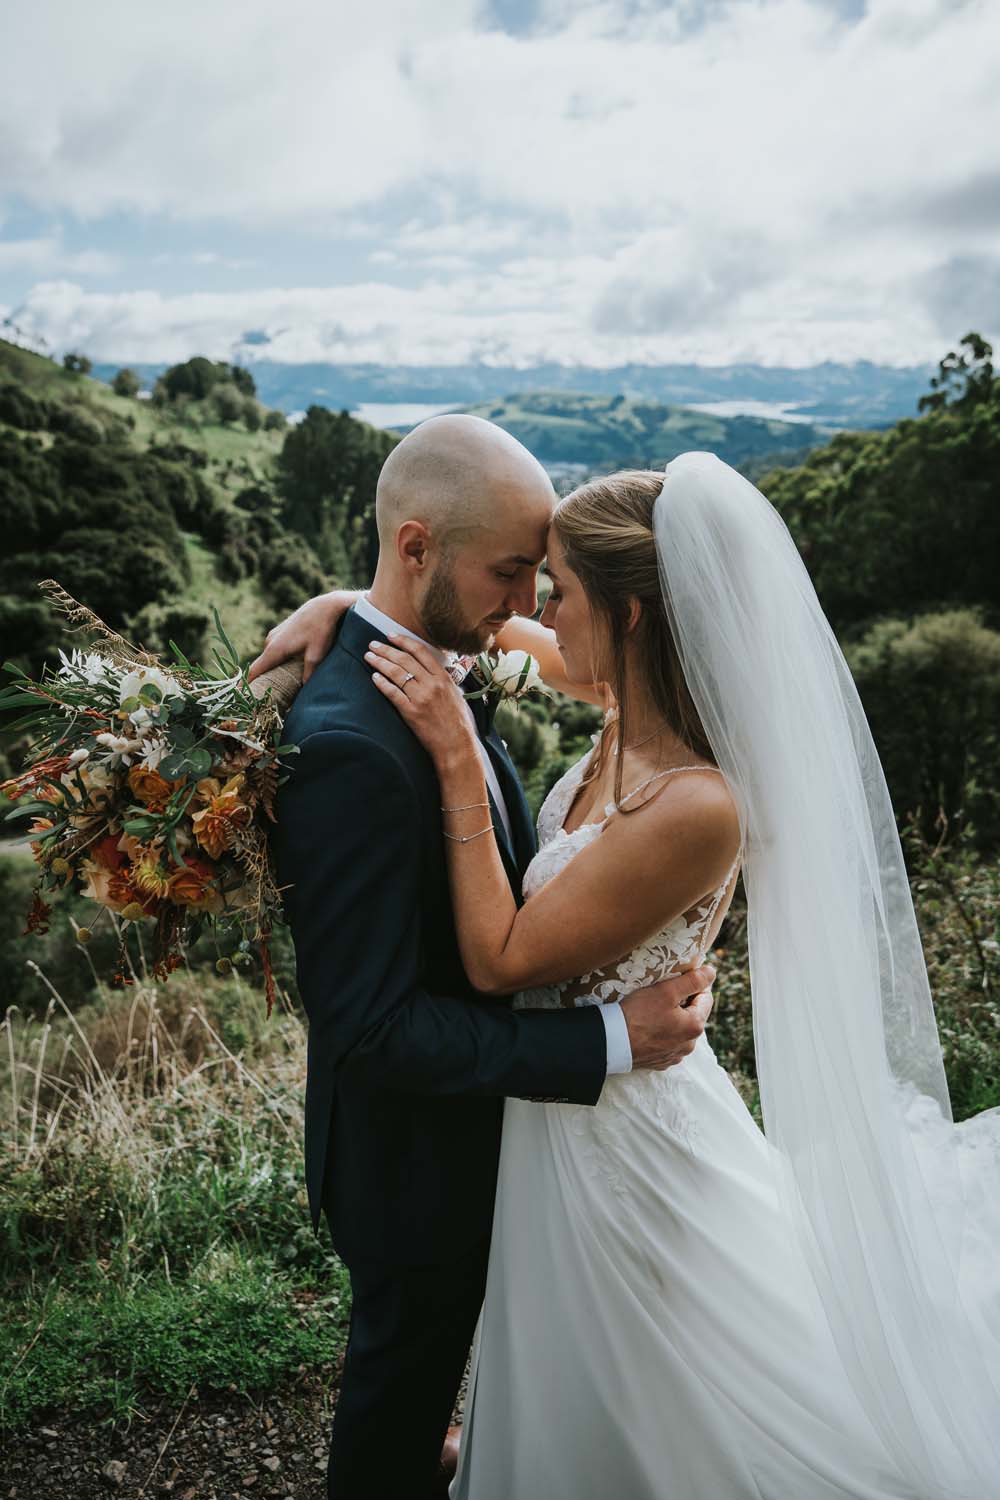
{"x":644,"y":741}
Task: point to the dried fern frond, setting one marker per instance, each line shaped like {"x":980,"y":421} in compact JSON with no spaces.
{"x":82,"y":618}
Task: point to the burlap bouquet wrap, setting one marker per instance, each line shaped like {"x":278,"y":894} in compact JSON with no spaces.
{"x":284,"y":682}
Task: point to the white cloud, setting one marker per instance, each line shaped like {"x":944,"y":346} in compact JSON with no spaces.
{"x":715,"y":179}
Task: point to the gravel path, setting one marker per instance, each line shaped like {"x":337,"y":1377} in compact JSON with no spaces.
{"x":218,"y":1448}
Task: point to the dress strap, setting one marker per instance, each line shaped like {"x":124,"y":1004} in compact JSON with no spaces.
{"x":610,"y":809}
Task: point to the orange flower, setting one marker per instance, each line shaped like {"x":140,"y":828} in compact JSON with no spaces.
{"x":150,"y":787}
{"x":123,"y":892}
{"x":191,"y":885}
{"x":107,"y":853}
{"x":149,"y":875}
{"x":39,"y":825}
{"x":215,"y":826}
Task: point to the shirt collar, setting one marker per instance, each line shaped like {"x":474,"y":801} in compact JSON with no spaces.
{"x":374,"y":616}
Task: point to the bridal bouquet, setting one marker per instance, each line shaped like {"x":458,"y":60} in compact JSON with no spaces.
{"x":148,"y":788}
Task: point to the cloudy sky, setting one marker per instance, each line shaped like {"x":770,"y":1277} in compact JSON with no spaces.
{"x":442,"y":181}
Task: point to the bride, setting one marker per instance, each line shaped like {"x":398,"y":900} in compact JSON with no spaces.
{"x":679,"y":1305}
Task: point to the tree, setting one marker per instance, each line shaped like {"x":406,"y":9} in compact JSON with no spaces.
{"x":126,"y":383}
{"x":251,"y":415}
{"x":901,"y":521}
{"x":327,"y":473}
{"x":77,"y":364}
{"x":962,"y":380}
{"x":242,"y":380}
{"x":931,"y":691}
{"x":275,"y":421}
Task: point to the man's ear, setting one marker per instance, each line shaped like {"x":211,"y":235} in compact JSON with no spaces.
{"x":413,"y":545}
{"x":634,"y":616}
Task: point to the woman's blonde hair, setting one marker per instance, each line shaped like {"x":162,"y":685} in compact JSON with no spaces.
{"x":606,"y":530}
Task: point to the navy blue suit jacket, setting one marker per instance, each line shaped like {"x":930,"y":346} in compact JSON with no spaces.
{"x":408,"y":1065}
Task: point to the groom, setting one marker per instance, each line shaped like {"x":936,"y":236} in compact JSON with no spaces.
{"x":408,"y":1066}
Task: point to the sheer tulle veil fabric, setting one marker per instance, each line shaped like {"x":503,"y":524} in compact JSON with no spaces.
{"x":847,"y":1048}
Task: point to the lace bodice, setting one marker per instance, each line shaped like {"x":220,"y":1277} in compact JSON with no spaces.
{"x":680,"y":945}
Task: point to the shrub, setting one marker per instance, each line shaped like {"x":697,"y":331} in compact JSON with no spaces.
{"x":19,"y":408}
{"x":77,"y":364}
{"x":77,"y":425}
{"x":289,"y":572}
{"x":186,"y":624}
{"x":228,"y":403}
{"x":931,"y":690}
{"x":126,"y":383}
{"x":275,"y":421}
{"x":251,"y":415}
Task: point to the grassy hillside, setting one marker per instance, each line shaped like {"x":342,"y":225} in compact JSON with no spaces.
{"x":609,"y":432}
{"x":228,"y":457}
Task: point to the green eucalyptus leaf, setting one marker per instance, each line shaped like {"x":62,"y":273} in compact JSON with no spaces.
{"x":130,"y":705}
{"x":30,"y":810}
{"x":173,"y":766}
{"x":150,"y":693}
{"x":200,"y":762}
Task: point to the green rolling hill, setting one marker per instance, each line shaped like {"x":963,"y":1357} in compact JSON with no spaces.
{"x":609,"y":432}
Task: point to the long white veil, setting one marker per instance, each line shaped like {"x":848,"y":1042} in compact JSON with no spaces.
{"x":847,"y":1047}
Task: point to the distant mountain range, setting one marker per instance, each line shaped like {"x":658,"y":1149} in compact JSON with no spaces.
{"x":834,"y":395}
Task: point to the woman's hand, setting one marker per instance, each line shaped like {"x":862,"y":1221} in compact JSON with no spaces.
{"x":414,"y":681}
{"x":308,"y":633}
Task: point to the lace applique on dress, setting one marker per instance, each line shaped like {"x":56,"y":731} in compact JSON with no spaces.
{"x":680,"y":945}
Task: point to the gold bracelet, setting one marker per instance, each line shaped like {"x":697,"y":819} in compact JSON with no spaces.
{"x":466,"y":838}
{"x":466,"y":807}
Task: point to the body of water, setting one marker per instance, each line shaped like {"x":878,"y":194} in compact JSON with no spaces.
{"x":398,"y":413}
{"x":779,"y":411}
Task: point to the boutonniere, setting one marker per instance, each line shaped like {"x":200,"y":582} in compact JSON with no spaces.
{"x":508,"y":675}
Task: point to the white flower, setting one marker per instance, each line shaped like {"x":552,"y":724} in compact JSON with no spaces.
{"x":512,"y":675}
{"x":154,"y":748}
{"x":117,"y":744}
{"x":77,"y":756}
{"x":133,"y":681}
{"x":87,"y":664}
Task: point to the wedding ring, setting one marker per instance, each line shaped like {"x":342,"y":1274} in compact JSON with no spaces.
{"x":410,"y":677}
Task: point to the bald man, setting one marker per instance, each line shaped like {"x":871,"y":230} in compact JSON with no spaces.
{"x":408,"y":1066}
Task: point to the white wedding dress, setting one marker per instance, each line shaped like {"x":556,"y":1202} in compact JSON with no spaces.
{"x":651,"y":1330}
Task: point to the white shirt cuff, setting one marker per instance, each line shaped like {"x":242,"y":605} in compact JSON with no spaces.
{"x":619,"y":1046}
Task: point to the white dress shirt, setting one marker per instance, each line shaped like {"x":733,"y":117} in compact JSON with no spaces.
{"x":615,"y":1026}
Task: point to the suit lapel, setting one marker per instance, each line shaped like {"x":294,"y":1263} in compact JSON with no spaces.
{"x":353,"y":637}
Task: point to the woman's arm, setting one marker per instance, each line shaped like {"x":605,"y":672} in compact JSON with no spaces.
{"x":644,"y":870}
{"x":521,"y":634}
{"x":310,"y":631}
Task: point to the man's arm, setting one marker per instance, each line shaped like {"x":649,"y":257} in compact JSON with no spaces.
{"x":347,"y":837}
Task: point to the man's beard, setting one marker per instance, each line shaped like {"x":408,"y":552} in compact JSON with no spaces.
{"x":441,"y":615}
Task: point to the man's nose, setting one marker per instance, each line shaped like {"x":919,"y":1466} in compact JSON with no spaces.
{"x":523,"y":599}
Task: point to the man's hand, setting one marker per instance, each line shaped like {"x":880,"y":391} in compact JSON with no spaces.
{"x":665,"y":1020}
{"x":309,"y":633}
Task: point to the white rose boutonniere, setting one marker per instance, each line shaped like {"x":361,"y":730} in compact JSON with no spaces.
{"x":510,"y":675}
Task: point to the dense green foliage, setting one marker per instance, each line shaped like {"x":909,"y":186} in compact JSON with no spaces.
{"x":327,"y":473}
{"x":931,"y":688}
{"x":106,"y":494}
{"x":900,"y":531}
